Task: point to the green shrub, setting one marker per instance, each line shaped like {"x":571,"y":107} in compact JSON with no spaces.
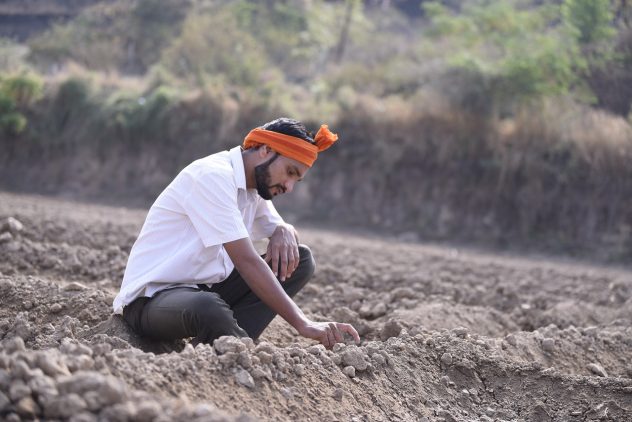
{"x":11,"y":121}
{"x":589,"y":20}
{"x":24,"y":89}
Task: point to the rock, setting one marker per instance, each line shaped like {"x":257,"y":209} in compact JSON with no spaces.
{"x":227,"y":344}
{"x":460,"y":332}
{"x":147,"y":411}
{"x":5,"y":237}
{"x":64,"y":406}
{"x":349,"y":371}
{"x":597,"y":369}
{"x":12,"y":225}
{"x":353,"y":356}
{"x":15,"y":344}
{"x":338,"y":394}
{"x":244,"y":378}
{"x":27,"y":407}
{"x":548,"y":345}
{"x":74,"y":287}
{"x":511,"y":339}
{"x":446,"y":359}
{"x":50,"y":366}
{"x":391,"y":329}
{"x":56,"y":308}
{"x":299,"y":369}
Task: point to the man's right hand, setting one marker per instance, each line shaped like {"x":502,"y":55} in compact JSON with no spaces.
{"x":328,"y":333}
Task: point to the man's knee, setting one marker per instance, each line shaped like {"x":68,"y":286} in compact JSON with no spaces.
{"x":307,"y":264}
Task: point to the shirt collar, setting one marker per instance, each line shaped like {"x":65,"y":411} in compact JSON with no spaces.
{"x":237,"y":162}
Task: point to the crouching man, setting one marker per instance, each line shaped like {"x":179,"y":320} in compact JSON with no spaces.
{"x":194,"y":272}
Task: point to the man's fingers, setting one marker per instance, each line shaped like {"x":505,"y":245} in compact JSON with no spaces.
{"x":283,"y":268}
{"x":330,"y":338}
{"x":337,"y":334}
{"x":347,"y":328}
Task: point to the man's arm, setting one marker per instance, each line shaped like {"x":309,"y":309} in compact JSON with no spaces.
{"x":263,"y":283}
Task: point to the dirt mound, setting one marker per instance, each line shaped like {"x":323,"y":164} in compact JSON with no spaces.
{"x":447,"y":335}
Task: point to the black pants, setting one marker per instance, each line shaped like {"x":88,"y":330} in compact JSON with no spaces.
{"x":228,"y":308}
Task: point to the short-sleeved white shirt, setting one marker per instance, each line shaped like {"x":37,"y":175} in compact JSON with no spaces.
{"x":181,"y":242}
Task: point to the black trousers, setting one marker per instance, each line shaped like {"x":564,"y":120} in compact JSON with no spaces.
{"x":228,"y":308}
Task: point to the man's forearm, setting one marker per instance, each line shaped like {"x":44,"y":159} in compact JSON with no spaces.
{"x":264,"y":284}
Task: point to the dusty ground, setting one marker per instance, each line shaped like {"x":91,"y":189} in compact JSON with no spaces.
{"x":447,"y":335}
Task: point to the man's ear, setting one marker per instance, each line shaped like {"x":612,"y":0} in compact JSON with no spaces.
{"x":264,"y":150}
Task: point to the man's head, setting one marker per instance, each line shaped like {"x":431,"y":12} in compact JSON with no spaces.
{"x":283,"y":152}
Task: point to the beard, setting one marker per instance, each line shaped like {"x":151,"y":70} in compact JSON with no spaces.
{"x":262,"y":178}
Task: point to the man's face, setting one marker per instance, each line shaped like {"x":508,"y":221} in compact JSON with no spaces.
{"x":278,"y":175}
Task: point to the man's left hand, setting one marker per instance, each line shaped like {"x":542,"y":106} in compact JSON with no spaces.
{"x":282,"y":253}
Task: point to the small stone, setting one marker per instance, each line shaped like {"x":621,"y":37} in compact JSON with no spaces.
{"x":227,"y":344}
{"x":15,"y":344}
{"x":5,"y":237}
{"x":338,"y":347}
{"x":353,"y":356}
{"x":299,"y":369}
{"x":511,"y":339}
{"x":64,"y":407}
{"x":338,"y":394}
{"x":56,"y":308}
{"x":147,"y":411}
{"x":446,"y":359}
{"x":13,"y":225}
{"x":391,"y":329}
{"x":349,"y":371}
{"x":74,"y":287}
{"x":548,"y":345}
{"x":27,"y":407}
{"x":244,"y":378}
{"x":460,"y":332}
{"x":50,"y":366}
{"x":597,"y":369}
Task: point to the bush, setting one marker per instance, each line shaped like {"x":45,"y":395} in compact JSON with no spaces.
{"x":24,"y":89}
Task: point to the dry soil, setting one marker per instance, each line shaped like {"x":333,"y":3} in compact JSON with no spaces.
{"x":447,"y":334}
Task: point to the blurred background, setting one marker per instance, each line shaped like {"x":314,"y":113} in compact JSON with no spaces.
{"x":503,"y":123}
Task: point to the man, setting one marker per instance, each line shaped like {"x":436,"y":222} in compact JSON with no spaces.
{"x":194,"y":272}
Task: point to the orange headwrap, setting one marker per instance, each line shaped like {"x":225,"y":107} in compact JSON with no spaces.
{"x":290,"y":146}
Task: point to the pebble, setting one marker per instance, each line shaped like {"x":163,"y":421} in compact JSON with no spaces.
{"x":75,"y":287}
{"x":56,"y":308}
{"x":597,"y":369}
{"x":13,"y":225}
{"x":548,"y":345}
{"x":338,"y":394}
{"x":349,"y":371}
{"x":244,"y":378}
{"x":391,"y":329}
{"x":227,"y":344}
{"x":5,"y":237}
{"x":353,"y":356}
{"x":27,"y":407}
{"x":460,"y":332}
{"x":446,"y":359}
{"x":511,"y":339}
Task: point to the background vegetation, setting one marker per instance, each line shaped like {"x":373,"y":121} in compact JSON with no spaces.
{"x":505,"y":122}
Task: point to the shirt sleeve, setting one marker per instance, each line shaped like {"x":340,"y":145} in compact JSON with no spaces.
{"x":211,"y":205}
{"x":266,"y":220}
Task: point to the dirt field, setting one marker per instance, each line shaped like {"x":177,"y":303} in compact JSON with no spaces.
{"x":448,"y":335}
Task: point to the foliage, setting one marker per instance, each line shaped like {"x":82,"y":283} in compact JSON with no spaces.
{"x":524,"y":50}
{"x":589,"y":20}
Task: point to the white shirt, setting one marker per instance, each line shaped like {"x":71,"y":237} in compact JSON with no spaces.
{"x":181,"y":242}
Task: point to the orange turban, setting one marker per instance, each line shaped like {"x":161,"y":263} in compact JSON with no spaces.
{"x":291,"y":146}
